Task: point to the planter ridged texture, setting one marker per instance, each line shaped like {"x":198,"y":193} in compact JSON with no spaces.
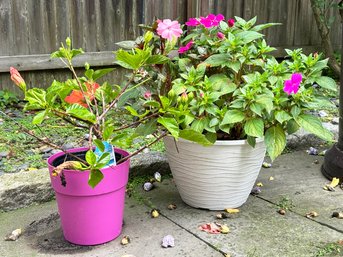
{"x":91,"y":216}
{"x":214,"y":177}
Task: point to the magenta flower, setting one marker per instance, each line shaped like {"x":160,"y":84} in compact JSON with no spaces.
{"x":220,"y":35}
{"x":185,"y":48}
{"x":292,"y":85}
{"x":192,"y":22}
{"x":168,"y":29}
{"x":231,"y":22}
{"x":211,"y":20}
{"x":147,"y":95}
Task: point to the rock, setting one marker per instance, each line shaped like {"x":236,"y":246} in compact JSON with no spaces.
{"x":44,"y":149}
{"x":322,"y":113}
{"x":148,"y":164}
{"x":4,"y":154}
{"x":55,"y":151}
{"x":23,"y":167}
{"x":18,"y":190}
{"x":68,"y":146}
{"x":335,"y":120}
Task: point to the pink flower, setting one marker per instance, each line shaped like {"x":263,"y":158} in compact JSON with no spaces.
{"x":292,"y":85}
{"x":192,"y":22}
{"x":231,"y":22}
{"x":147,"y":94}
{"x":211,"y":20}
{"x":220,"y":35}
{"x":17,"y":78}
{"x":168,"y":29}
{"x":185,"y":48}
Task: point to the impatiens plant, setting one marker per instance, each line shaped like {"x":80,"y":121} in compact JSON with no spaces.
{"x":223,"y":83}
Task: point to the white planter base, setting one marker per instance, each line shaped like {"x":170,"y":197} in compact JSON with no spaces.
{"x":215,"y":177}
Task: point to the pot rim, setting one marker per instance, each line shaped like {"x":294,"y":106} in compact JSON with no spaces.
{"x":220,"y":142}
{"x":81,"y":149}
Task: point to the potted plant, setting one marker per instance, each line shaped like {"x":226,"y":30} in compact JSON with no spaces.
{"x":89,"y":182}
{"x":225,"y":101}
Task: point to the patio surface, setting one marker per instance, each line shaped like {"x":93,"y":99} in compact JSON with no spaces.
{"x":257,"y":230}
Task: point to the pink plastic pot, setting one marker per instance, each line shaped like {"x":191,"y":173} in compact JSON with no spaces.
{"x":91,"y":216}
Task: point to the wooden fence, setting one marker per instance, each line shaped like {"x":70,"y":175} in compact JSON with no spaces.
{"x":31,"y":29}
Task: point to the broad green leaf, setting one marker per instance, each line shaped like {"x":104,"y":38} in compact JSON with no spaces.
{"x":218,"y":59}
{"x":246,"y":37}
{"x":264,"y":26}
{"x":275,"y":141}
{"x":99,"y":73}
{"x":103,"y":160}
{"x":99,"y":144}
{"x":90,"y":157}
{"x":295,"y":111}
{"x":165,"y":102}
{"x":133,"y":59}
{"x":282,"y":116}
{"x":152,"y":103}
{"x":36,"y":98}
{"x":233,"y":116}
{"x":327,"y":83}
{"x":107,"y":132}
{"x":266,"y":101}
{"x":314,"y":125}
{"x":194,"y":136}
{"x":132,"y":111}
{"x":184,"y":63}
{"x":170,"y":124}
{"x":128,"y":45}
{"x":81,"y":113}
{"x":254,"y":127}
{"x":147,"y":128}
{"x":257,"y":108}
{"x":235,"y":66}
{"x":198,"y":125}
{"x":156,"y":59}
{"x":39,"y":117}
{"x":251,"y":141}
{"x":95,"y":176}
{"x":214,"y":122}
{"x":212,"y":137}
{"x":292,"y":127}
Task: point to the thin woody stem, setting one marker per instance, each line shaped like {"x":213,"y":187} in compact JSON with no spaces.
{"x":46,"y":142}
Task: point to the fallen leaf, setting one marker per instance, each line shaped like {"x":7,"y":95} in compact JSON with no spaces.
{"x":210,"y":228}
{"x":259,"y":184}
{"x":155,"y":213}
{"x":266,"y":165}
{"x":172,"y":206}
{"x":157,"y":177}
{"x":223,"y":215}
{"x":332,"y":185}
{"x":271,"y":178}
{"x":229,"y":210}
{"x":224,"y":229}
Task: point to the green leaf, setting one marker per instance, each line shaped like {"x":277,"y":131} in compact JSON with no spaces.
{"x":165,"y":102}
{"x":275,"y":141}
{"x":214,"y":122}
{"x":39,"y":117}
{"x":99,"y":144}
{"x":264,"y":26}
{"x":257,"y":108}
{"x":170,"y":124}
{"x":95,"y":176}
{"x":147,"y":128}
{"x":128,"y":45}
{"x":90,"y":157}
{"x":152,"y":103}
{"x":107,"y":132}
{"x":132,"y":111}
{"x":246,"y":37}
{"x":198,"y":125}
{"x":251,"y":141}
{"x":103,"y":160}
{"x":133,"y":59}
{"x":99,"y":73}
{"x":81,"y":113}
{"x":314,"y":125}
{"x":266,"y":101}
{"x":292,"y":127}
{"x":295,"y":111}
{"x":282,"y":116}
{"x":212,"y":137}
{"x":194,"y":136}
{"x":254,"y":127}
{"x":235,"y":66}
{"x":156,"y":59}
{"x":327,"y":83}
{"x":36,"y":98}
{"x":218,"y":59}
{"x":233,"y":116}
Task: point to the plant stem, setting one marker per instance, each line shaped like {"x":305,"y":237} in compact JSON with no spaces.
{"x":135,"y":123}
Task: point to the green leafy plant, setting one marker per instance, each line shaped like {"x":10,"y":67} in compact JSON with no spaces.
{"x":329,"y":249}
{"x":225,"y":84}
{"x":7,"y":98}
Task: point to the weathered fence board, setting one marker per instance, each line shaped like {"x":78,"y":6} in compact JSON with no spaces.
{"x":32,"y":29}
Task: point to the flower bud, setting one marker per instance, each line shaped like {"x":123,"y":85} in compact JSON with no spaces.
{"x":190,"y":96}
{"x":68,"y":42}
{"x":220,"y":35}
{"x":17,"y":79}
{"x":171,"y":93}
{"x":231,"y":22}
{"x":87,"y":66}
{"x":147,"y":94}
{"x":184,"y":98}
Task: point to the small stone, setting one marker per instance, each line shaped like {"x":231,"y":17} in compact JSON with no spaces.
{"x":146,"y":150}
{"x":55,"y":151}
{"x":86,"y":137}
{"x":125,"y":240}
{"x":22,"y":167}
{"x":157,"y":177}
{"x":338,"y":215}
{"x":148,"y":186}
{"x":311,"y":214}
{"x":335,"y":120}
{"x":223,"y":215}
{"x":168,"y":241}
{"x":68,"y":146}
{"x":172,"y":206}
{"x":266,"y":165}
{"x":282,"y":211}
{"x":322,"y":113}
{"x":44,"y":149}
{"x":312,"y":151}
{"x":255,"y":191}
{"x":14,"y":235}
{"x":4,"y":154}
{"x":316,"y":162}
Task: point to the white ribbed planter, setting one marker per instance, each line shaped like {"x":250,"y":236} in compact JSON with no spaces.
{"x":214,"y":177}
